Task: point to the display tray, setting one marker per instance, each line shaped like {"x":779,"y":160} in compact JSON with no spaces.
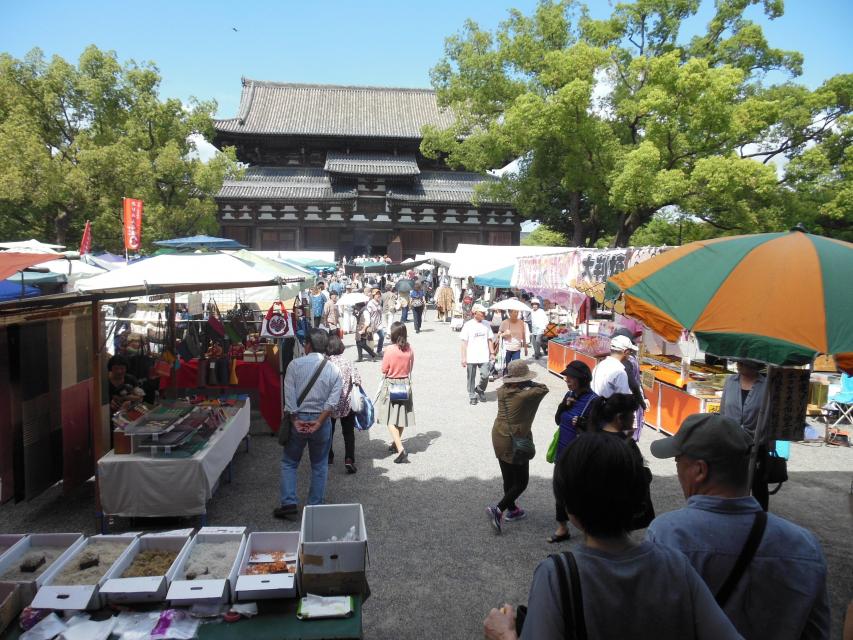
{"x":159,"y":420}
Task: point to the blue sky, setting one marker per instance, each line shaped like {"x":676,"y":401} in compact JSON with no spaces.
{"x":387,"y":43}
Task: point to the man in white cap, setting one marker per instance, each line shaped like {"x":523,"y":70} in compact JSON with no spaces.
{"x":538,"y":324}
{"x":609,"y":375}
{"x":478,"y":351}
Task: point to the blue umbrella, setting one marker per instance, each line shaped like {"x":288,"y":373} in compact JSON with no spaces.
{"x":200,"y":242}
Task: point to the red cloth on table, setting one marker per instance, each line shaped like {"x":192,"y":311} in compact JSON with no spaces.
{"x":250,"y":375}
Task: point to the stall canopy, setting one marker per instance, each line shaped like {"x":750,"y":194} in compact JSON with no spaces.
{"x":382,"y":267}
{"x":13,"y":290}
{"x":473,"y":259}
{"x":31,"y":246}
{"x":183,"y":272}
{"x":200,"y":242}
{"x":500,"y":278}
{"x":11,"y":262}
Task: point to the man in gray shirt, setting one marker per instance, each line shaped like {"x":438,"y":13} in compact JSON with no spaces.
{"x":311,"y":424}
{"x":782,"y":593}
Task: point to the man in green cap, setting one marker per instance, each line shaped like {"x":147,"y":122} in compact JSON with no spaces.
{"x":768,"y":574}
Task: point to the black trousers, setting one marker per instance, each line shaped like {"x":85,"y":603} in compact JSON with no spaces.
{"x":418,"y":312}
{"x":560,"y":514}
{"x":348,"y":431}
{"x":515,"y":477}
{"x":361,"y":345}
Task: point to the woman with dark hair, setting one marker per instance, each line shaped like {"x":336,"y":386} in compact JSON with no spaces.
{"x":396,"y":407}
{"x":342,"y":411}
{"x":621,"y":588}
{"x":570,"y":411}
{"x":615,"y":416}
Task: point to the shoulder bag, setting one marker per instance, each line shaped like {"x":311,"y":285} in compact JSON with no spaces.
{"x":570,"y":596}
{"x":753,"y":540}
{"x":286,"y":416}
{"x":523,"y":449}
{"x":399,"y":391}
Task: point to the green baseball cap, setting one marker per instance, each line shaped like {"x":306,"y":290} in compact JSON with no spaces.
{"x":705,"y":436}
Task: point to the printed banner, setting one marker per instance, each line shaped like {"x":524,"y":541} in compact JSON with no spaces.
{"x":132,"y":224}
{"x":86,"y":242}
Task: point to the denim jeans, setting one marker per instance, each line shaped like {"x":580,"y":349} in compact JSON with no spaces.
{"x":318,"y":444}
{"x":404,"y":314}
{"x":418,"y":313}
{"x":381,"y":343}
{"x":509,"y":356}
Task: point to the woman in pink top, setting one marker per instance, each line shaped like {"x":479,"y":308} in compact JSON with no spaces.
{"x":398,"y":359}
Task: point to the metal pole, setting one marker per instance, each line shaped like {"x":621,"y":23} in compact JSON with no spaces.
{"x":95,"y":406}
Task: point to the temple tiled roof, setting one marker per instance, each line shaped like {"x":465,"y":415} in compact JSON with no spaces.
{"x":274,"y":108}
{"x":285,"y":183}
{"x":371,"y":164}
{"x":440,"y":187}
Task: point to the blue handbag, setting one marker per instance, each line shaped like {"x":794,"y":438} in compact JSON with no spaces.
{"x":364,"y":418}
{"x":398,"y":391}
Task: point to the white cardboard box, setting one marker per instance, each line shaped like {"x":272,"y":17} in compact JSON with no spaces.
{"x":333,"y":568}
{"x":14,"y":555}
{"x":152,"y":589}
{"x":76,"y":597}
{"x":207,"y":591}
{"x":274,"y":585}
{"x":9,"y":540}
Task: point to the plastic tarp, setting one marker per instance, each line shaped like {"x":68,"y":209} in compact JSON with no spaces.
{"x":12,"y":290}
{"x":11,"y":262}
{"x":500,"y":278}
{"x":474,"y":259}
{"x":189,"y":271}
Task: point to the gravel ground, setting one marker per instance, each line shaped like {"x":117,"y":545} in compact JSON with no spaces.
{"x":436,"y":567}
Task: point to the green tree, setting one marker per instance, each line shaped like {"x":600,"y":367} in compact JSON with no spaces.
{"x":77,"y":139}
{"x":542,"y":236}
{"x":615,"y":120}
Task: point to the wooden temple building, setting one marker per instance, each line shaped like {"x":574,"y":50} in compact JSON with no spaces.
{"x":340,"y":168}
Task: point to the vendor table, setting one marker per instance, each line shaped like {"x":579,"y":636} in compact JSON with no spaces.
{"x":139,"y":485}
{"x":276,"y":619}
{"x":259,"y":376}
{"x":669,"y":404}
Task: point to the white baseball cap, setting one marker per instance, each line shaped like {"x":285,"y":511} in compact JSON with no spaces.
{"x":478,"y":307}
{"x":622,"y":343}
{"x":535,"y":301}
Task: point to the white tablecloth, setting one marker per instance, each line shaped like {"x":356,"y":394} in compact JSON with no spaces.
{"x":137,"y":485}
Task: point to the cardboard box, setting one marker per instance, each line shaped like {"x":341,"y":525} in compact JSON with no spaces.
{"x":10,"y":604}
{"x":14,"y":555}
{"x":8,"y":542}
{"x":825,"y":363}
{"x":150,"y":589}
{"x":57,"y":596}
{"x":332,"y":568}
{"x":182,"y":592}
{"x":273,"y":585}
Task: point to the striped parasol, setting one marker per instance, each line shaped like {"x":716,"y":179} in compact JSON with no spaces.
{"x":781,"y":298}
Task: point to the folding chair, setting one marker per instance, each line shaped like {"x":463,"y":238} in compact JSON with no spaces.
{"x":843,"y":400}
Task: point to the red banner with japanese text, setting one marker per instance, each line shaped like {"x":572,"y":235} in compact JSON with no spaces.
{"x":86,"y":241}
{"x":132,"y":224}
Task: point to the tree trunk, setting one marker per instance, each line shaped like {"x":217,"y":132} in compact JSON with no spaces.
{"x":579,"y":233}
{"x":61,"y":224}
{"x":629,"y":223}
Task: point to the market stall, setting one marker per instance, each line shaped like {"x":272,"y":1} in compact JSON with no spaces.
{"x":162,"y":476}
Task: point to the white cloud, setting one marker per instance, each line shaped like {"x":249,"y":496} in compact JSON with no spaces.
{"x":204,"y":151}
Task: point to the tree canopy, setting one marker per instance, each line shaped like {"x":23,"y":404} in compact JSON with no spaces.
{"x":614,"y":121}
{"x":77,"y":139}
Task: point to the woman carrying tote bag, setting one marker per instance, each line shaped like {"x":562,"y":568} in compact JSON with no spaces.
{"x":396,"y":407}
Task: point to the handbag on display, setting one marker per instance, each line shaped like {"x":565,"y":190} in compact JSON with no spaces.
{"x":192,"y":341}
{"x":232,"y":377}
{"x":162,"y":368}
{"x":214,"y":319}
{"x":399,"y":391}
{"x":278,"y":323}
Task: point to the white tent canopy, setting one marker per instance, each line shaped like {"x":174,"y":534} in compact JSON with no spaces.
{"x":31,"y":246}
{"x":475,"y":259}
{"x":191,"y":271}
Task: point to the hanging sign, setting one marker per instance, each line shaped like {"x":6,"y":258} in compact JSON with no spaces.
{"x":132,"y":224}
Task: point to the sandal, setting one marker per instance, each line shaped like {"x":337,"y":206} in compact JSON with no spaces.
{"x":562,"y":537}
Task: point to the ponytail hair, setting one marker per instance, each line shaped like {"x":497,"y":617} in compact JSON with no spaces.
{"x":619,"y":407}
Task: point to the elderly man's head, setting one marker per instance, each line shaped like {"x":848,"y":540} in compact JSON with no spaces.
{"x":711,"y":455}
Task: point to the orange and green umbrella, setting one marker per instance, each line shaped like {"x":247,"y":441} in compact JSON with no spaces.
{"x":781,"y":298}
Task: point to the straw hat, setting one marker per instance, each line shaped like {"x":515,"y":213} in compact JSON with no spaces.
{"x":518,"y":371}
